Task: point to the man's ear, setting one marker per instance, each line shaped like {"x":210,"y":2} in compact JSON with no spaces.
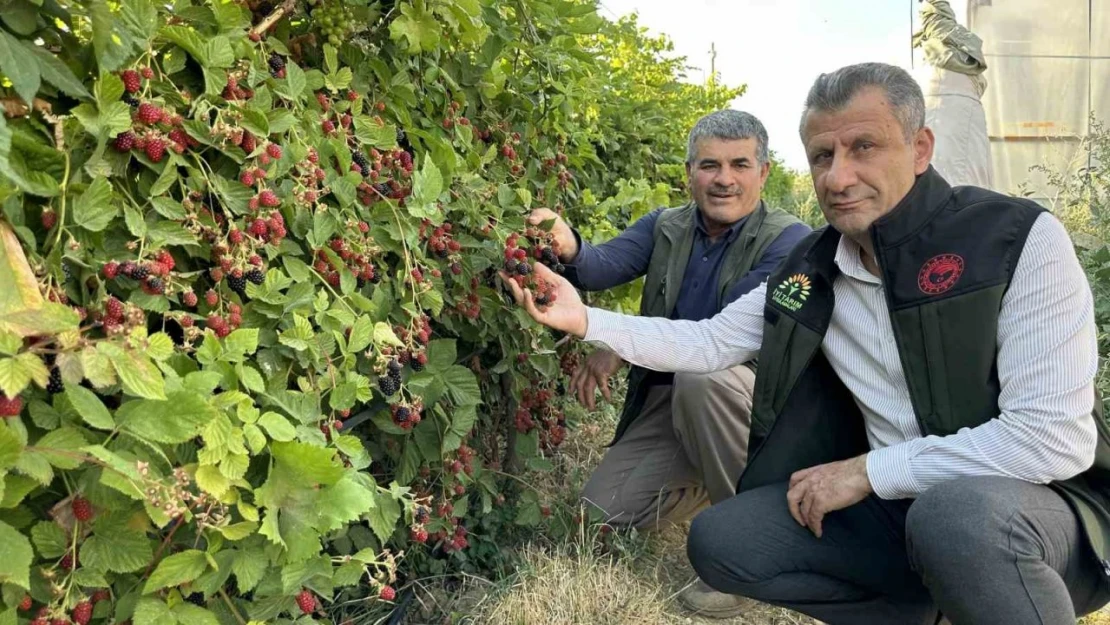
{"x":924,"y":141}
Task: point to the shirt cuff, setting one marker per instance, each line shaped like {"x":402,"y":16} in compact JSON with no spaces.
{"x":602,"y":326}
{"x":890,"y":474}
{"x":578,"y":254}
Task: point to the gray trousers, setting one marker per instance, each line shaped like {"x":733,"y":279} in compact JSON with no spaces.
{"x":981,"y":550}
{"x":685,"y":450}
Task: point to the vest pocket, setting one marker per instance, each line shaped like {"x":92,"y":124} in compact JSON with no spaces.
{"x":932,"y":334}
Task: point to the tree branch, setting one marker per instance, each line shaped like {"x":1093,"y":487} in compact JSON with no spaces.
{"x":271,"y":19}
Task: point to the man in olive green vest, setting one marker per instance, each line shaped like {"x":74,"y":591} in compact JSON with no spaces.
{"x":682,"y":440}
{"x":926,"y":437}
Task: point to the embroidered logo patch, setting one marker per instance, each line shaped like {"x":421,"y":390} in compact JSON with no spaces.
{"x":792,"y":293}
{"x":940,"y":273}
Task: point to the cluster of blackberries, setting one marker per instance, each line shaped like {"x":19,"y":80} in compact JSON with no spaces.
{"x":390,"y":383}
{"x":277,"y":65}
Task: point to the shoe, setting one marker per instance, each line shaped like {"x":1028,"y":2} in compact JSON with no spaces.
{"x":704,"y":601}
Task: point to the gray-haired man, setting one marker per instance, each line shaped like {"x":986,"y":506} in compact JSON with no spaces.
{"x":925,"y":430}
{"x":682,"y":439}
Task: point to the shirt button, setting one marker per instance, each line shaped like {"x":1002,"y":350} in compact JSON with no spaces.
{"x":704,"y":258}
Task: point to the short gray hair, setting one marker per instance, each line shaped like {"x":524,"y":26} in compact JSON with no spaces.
{"x":832,"y":92}
{"x":729,"y":125}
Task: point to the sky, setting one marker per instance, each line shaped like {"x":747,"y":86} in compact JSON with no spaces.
{"x":777,"y":47}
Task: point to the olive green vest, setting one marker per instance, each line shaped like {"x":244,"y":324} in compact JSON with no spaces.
{"x":946,"y":257}
{"x":673,"y":241}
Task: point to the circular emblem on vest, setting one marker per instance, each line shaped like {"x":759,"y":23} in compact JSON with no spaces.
{"x":940,"y":273}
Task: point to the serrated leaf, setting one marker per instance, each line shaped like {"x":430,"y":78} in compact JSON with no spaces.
{"x":256,"y":440}
{"x":15,"y":557}
{"x":462,"y":385}
{"x":427,"y":183}
{"x":151,"y":611}
{"x":242,"y":341}
{"x":383,"y":335}
{"x":89,"y":406}
{"x":10,"y":448}
{"x":98,"y":367}
{"x":384,"y":516}
{"x":277,"y":427}
{"x":370,"y":133}
{"x":53,"y":71}
{"x":138,"y":375}
{"x":176,"y":569}
{"x":251,"y":378}
{"x":35,"y":466}
{"x":218,"y":52}
{"x":342,"y":503}
{"x":294,"y":83}
{"x":119,"y":550}
{"x":176,"y":419}
{"x":249,"y":566}
{"x":417,"y":27}
{"x":45,"y":318}
{"x":165,"y":180}
{"x":360,"y":335}
{"x":349,"y":574}
{"x":19,"y":66}
{"x":234,"y":466}
{"x":61,"y":447}
{"x":94,"y":209}
{"x":44,"y":415}
{"x":256,"y":122}
{"x":159,"y":346}
{"x":134,"y":219}
{"x":238,"y":531}
{"x":49,"y":538}
{"x":307,"y":464}
{"x":210,"y":480}
{"x":89,"y":578}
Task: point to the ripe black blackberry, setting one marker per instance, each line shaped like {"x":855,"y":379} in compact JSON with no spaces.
{"x":67,"y":271}
{"x":55,"y":385}
{"x":141,"y":272}
{"x":548,"y":257}
{"x":237,"y":281}
{"x":383,"y":188}
{"x":541,"y":300}
{"x":400,"y":136}
{"x":155,"y":285}
{"x":277,"y":63}
{"x":131,"y":100}
{"x":421,"y":514}
{"x":403,"y":414}
{"x":559,"y":268}
{"x":416,"y":365}
{"x":394,"y":367}
{"x":360,"y":158}
{"x":388,"y":385}
{"x":256,"y":276}
{"x":196,"y":599}
{"x":511,"y":265}
{"x":523,"y":269}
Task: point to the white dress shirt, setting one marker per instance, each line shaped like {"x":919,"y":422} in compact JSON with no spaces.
{"x":1047,"y":361}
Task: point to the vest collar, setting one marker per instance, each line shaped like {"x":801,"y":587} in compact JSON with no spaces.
{"x":928,"y":196}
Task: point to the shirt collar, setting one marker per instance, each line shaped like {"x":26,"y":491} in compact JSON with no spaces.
{"x":849,"y":261}
{"x":730,"y":234}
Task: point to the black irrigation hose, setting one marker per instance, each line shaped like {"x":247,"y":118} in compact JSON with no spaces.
{"x":401,"y":608}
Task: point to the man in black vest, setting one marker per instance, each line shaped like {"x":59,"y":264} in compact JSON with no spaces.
{"x":682,"y":439}
{"x":926,"y":438}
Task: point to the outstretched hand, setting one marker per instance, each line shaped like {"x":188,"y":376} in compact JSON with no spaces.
{"x":560,"y":229}
{"x":567,"y":313}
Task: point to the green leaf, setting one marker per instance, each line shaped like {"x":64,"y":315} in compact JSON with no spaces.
{"x":294,"y":83}
{"x":47,"y":318}
{"x":15,"y":557}
{"x":134,"y":219}
{"x":251,"y":378}
{"x":60,"y":447}
{"x":462,"y":385}
{"x":308,"y":464}
{"x":89,"y":406}
{"x":118,"y":550}
{"x":16,"y":487}
{"x":370,"y":133}
{"x":360,"y":335}
{"x":165,"y":181}
{"x":49,"y":538}
{"x":462,"y":421}
{"x":342,"y":503}
{"x":44,"y":415}
{"x":10,"y":448}
{"x":35,"y":466}
{"x":20,"y":66}
{"x":94,"y":210}
{"x":151,"y":611}
{"x":56,"y":73}
{"x":384,"y":516}
{"x":89,"y":578}
{"x":98,"y":367}
{"x":277,"y":427}
{"x":383,"y":335}
{"x":177,"y":569}
{"x":168,"y":207}
{"x":238,"y":531}
{"x":256,"y":122}
{"x":138,"y":375}
{"x":349,"y":574}
{"x":188,"y":39}
{"x":176,"y":419}
{"x":210,"y":480}
{"x":256,"y":440}
{"x":159,"y":346}
{"x":111,"y":41}
{"x":242,"y":341}
{"x":249,"y":566}
{"x":114,"y":119}
{"x":219,"y":53}
{"x":427,"y":183}
{"x":418,"y":27}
